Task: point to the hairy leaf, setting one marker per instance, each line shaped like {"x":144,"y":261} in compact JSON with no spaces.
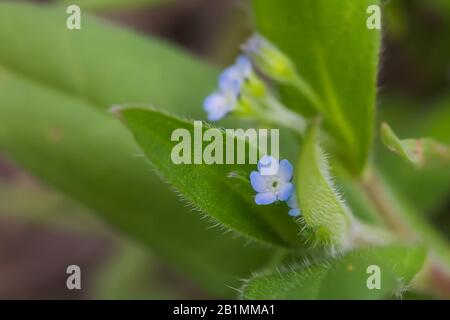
{"x":345,"y":277}
{"x":209,"y":187}
{"x":322,"y":208}
{"x":92,"y":158}
{"x":53,"y":124}
{"x":125,"y":68}
{"x":338,"y":55}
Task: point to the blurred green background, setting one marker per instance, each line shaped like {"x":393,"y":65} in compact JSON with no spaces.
{"x":42,"y":230}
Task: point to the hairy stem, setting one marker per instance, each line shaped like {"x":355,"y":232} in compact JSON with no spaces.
{"x":373,"y":188}
{"x":278,"y":114}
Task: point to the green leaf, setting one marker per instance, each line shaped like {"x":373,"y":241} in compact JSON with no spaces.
{"x":419,"y":152}
{"x":347,"y":278}
{"x":302,"y":284}
{"x":210,"y":187}
{"x":91,"y":157}
{"x":323,"y":209}
{"x":427,"y":189}
{"x":63,"y":85}
{"x":344,"y":277}
{"x":338,"y":55}
{"x":125,"y":68}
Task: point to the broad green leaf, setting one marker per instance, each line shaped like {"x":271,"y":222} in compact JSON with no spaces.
{"x":302,"y":284}
{"x":101,"y":63}
{"x":338,"y":55}
{"x":323,"y":209}
{"x":209,"y":187}
{"x":348,"y":277}
{"x":94,"y":68}
{"x":112,"y":5}
{"x":344,"y":277}
{"x":419,"y":152}
{"x":89,"y":156}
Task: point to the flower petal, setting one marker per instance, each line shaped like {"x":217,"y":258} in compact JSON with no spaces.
{"x":231,"y":80}
{"x":268,"y":166}
{"x":285,"y":170}
{"x":294,"y":212}
{"x":264,"y":198}
{"x":292,"y":200}
{"x":259,"y":184}
{"x":244,"y":65}
{"x":253,"y":44}
{"x":285,"y":191}
{"x":216,"y":106}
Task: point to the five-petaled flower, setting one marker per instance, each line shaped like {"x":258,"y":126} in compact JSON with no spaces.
{"x":271,"y":188}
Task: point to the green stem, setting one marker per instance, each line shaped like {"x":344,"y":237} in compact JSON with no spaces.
{"x":275,"y":113}
{"x":372,"y":187}
{"x":362,"y":234}
{"x":285,"y":117}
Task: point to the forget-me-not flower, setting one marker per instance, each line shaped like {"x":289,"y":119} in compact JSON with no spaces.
{"x":222,"y":102}
{"x":232,"y":78}
{"x":271,"y":188}
{"x":219,"y":104}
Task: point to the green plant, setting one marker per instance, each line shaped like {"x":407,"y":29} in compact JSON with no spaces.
{"x":57,"y":86}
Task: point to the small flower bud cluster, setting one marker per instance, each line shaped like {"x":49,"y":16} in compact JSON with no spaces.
{"x":239,"y":85}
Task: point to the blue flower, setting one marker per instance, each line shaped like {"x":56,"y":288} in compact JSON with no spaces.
{"x":244,"y":64}
{"x":222,"y":102}
{"x":293,"y":205}
{"x":230,"y":80}
{"x":276,"y":186}
{"x":219,"y":104}
{"x":233,"y":77}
